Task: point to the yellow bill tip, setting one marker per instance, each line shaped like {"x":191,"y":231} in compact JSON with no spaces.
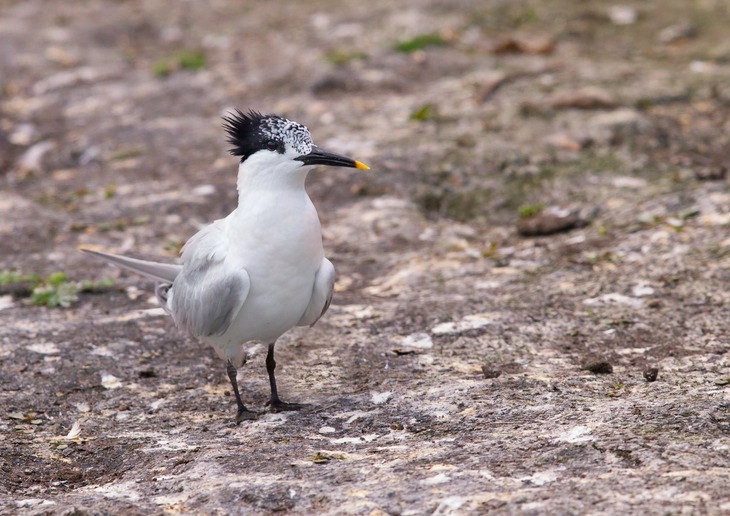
{"x":361,"y":165}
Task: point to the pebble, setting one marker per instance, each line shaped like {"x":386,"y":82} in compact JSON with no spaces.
{"x":549,"y":221}
{"x":651,"y":374}
{"x":591,"y":97}
{"x":677,"y":32}
{"x":622,"y":15}
{"x":598,"y":366}
{"x":490,"y":372}
{"x":618,"y":125}
{"x":614,"y":299}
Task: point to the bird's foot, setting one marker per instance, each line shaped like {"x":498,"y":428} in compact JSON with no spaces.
{"x":245,"y":415}
{"x":276,"y":405}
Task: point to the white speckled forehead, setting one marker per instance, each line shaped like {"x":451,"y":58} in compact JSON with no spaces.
{"x":291,"y":133}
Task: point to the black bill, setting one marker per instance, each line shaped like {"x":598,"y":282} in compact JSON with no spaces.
{"x":322,"y":157}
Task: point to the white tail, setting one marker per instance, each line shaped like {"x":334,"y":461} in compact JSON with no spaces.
{"x":155,"y":270}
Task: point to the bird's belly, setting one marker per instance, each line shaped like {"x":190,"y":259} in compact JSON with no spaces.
{"x":281,"y":289}
{"x":281,"y":254}
{"x":272,"y":308}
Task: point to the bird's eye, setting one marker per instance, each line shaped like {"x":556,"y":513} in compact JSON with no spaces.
{"x":272,"y":145}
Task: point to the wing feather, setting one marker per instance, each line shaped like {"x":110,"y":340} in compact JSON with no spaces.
{"x":209,"y":292}
{"x":324,"y":285}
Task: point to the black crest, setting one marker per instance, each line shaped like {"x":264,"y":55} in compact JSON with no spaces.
{"x":247,"y":135}
{"x":251,"y":132}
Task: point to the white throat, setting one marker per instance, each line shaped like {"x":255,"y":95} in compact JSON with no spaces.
{"x":265,"y":171}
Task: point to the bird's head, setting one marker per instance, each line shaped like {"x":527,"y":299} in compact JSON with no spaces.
{"x":275,"y":142}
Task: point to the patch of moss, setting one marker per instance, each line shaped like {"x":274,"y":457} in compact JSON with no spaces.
{"x":408,"y":46}
{"x":184,"y":60}
{"x":55,"y":290}
{"x":162,"y":68}
{"x":530,"y":210}
{"x":123,"y":154}
{"x":525,"y":16}
{"x":424,"y":113}
{"x":8,"y":277}
{"x":191,"y":59}
{"x":340,"y":57}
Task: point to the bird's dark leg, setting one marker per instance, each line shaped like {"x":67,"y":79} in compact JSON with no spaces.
{"x":275,"y":403}
{"x":243,"y":412}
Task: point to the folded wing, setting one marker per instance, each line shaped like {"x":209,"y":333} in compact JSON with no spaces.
{"x":209,"y":291}
{"x":324,"y":284}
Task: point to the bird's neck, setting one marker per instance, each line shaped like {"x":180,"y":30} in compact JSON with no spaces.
{"x":255,"y":180}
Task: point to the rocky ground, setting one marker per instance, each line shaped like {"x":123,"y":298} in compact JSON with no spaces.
{"x":531,"y":313}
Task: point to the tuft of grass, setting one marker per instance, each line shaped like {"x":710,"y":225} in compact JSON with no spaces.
{"x":408,"y":46}
{"x":163,"y":68}
{"x":191,"y":59}
{"x":123,"y":154}
{"x":424,"y":113}
{"x":8,"y":277}
{"x":55,"y":290}
{"x":323,"y":458}
{"x":184,"y":60}
{"x":340,"y":57}
{"x":525,"y":16}
{"x":530,"y":210}
{"x":110,"y":191}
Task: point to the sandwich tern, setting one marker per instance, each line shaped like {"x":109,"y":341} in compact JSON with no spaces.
{"x":260,"y":271}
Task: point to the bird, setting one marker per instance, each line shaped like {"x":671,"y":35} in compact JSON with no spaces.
{"x":260,"y":271}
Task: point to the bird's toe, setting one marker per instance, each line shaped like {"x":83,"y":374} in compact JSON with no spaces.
{"x":282,"y":406}
{"x":245,"y":415}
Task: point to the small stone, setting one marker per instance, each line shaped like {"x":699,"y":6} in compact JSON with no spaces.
{"x":622,"y":15}
{"x":650,"y":374}
{"x":711,"y":173}
{"x":378,"y":398}
{"x":585,"y":98}
{"x":679,"y":32}
{"x":618,"y":125}
{"x":522,"y":45}
{"x":598,"y":366}
{"x":147,"y":373}
{"x":614,"y":298}
{"x":571,"y":142}
{"x":549,"y":221}
{"x":109,"y":381}
{"x":6,"y":302}
{"x":469,"y":322}
{"x":419,"y":340}
{"x":490,"y":372}
{"x":44,"y":348}
{"x":61,"y":56}
{"x":31,"y":161}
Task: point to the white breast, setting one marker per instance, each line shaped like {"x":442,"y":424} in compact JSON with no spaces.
{"x":281,"y":249}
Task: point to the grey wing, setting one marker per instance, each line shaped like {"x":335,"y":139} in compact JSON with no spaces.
{"x":205,"y":301}
{"x":208,"y":293}
{"x":324,"y":284}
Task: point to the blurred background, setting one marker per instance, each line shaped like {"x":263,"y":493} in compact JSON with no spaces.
{"x":474,"y":111}
{"x":547,"y":203}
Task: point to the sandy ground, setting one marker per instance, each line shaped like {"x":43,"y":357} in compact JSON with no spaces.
{"x":531,"y":312}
